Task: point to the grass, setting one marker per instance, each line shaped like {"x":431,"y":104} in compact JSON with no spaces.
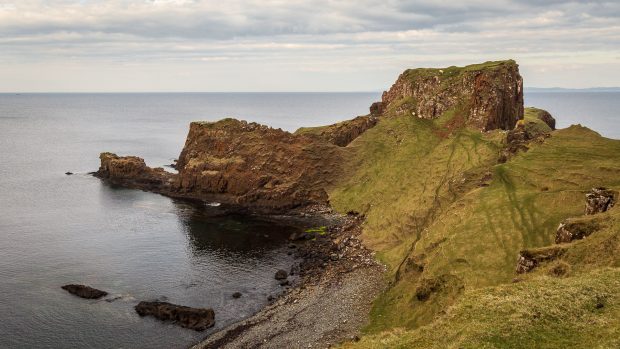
{"x":577,"y":312}
{"x":533,"y":124}
{"x":445,"y":217}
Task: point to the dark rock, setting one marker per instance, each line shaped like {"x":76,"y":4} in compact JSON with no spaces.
{"x":376,"y":108}
{"x":284,"y":283}
{"x":575,"y":229}
{"x":530,"y":259}
{"x":68,"y":173}
{"x":237,"y":295}
{"x":599,"y":200}
{"x":84,"y":291}
{"x":270,"y":298}
{"x":198,"y":319}
{"x":281,"y":274}
{"x":547,"y":118}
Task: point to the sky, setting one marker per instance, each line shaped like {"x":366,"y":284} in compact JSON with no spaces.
{"x":297,"y":45}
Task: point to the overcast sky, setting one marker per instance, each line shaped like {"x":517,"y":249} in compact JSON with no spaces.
{"x":289,"y":45}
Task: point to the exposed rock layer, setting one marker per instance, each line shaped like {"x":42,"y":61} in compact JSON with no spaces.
{"x":489,"y":96}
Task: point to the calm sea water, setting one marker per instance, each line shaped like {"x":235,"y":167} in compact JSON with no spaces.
{"x":57,"y":229}
{"x":599,"y":111}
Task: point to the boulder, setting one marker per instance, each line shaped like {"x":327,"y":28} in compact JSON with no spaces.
{"x":281,"y":274}
{"x":599,"y":200}
{"x":84,"y":291}
{"x":198,"y":319}
{"x":237,"y":295}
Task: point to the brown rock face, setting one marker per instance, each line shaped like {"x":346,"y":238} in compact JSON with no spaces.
{"x":83,"y":291}
{"x":342,"y":133}
{"x":599,"y":200}
{"x":255,"y":165}
{"x":489,"y":96}
{"x":198,"y":319}
{"x":546,"y":117}
{"x":131,"y":171}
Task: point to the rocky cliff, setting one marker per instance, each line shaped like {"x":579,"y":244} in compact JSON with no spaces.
{"x":243,"y":164}
{"x":264,"y":169}
{"x":255,"y":165}
{"x":489,"y":95}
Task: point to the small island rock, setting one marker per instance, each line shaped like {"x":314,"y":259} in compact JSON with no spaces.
{"x":84,"y":291}
{"x":198,"y":319}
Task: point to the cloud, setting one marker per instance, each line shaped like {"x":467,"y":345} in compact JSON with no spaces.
{"x":382,"y":37}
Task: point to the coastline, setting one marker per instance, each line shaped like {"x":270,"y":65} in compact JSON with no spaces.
{"x":329,"y":304}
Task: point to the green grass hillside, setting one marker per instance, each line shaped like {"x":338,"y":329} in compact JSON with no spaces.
{"x":449,"y":221}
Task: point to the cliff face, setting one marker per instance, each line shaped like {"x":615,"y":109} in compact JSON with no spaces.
{"x":489,"y":96}
{"x":255,"y":164}
{"x":237,"y":163}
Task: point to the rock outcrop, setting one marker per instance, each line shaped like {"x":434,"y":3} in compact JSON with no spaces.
{"x":342,"y":133}
{"x":83,"y":291}
{"x":132,"y":172}
{"x":237,"y":163}
{"x":575,"y":229}
{"x":255,"y":165}
{"x":489,"y":95}
{"x":262,"y":169}
{"x":198,"y":319}
{"x":599,"y":200}
{"x":530,"y":259}
{"x":546,"y":117}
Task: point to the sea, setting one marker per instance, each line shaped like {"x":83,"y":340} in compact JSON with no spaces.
{"x":57,"y":229}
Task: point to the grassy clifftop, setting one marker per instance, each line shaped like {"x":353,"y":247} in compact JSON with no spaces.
{"x":449,"y":221}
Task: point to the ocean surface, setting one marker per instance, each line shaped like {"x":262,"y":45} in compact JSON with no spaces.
{"x":57,"y":229}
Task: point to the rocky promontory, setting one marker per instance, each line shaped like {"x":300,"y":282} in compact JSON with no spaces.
{"x":448,"y":180}
{"x":261,"y":169}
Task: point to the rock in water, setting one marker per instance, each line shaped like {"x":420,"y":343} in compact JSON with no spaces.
{"x":281,"y":274}
{"x":599,"y":200}
{"x":84,"y":291}
{"x":198,"y":319}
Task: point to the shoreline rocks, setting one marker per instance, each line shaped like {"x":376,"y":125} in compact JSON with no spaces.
{"x":84,"y":291}
{"x":198,"y":319}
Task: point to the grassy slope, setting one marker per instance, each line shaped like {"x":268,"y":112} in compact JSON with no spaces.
{"x":420,"y":191}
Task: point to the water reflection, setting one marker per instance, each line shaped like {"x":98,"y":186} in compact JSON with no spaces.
{"x":243,"y":236}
